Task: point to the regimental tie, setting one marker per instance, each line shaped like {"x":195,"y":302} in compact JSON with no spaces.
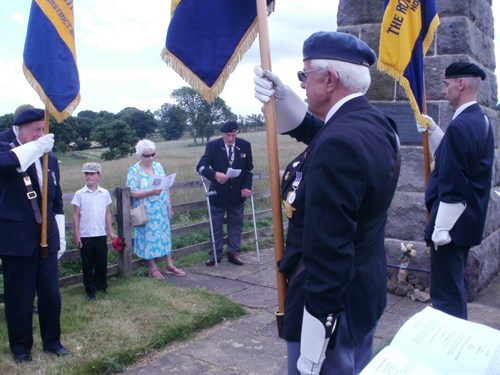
{"x":230,"y":155}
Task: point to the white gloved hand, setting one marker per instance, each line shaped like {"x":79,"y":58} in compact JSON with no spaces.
{"x":290,"y":108}
{"x":435,"y":134}
{"x":268,"y":84}
{"x":447,"y":216}
{"x":430,"y":129}
{"x":61,"y":226}
{"x":313,"y":344}
{"x":31,"y":151}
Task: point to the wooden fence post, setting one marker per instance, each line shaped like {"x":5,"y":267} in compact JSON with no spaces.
{"x":123,"y":228}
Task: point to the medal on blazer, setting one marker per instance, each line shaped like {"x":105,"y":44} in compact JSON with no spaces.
{"x":290,"y":197}
{"x":433,"y":164}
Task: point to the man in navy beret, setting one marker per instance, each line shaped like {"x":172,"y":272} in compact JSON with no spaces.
{"x":336,"y":195}
{"x":230,"y":193}
{"x":25,"y":270}
{"x":458,"y":190}
{"x":8,"y":135}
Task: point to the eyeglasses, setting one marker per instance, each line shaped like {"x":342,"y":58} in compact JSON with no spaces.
{"x":147,"y":156}
{"x":89,"y":173}
{"x":302,"y":74}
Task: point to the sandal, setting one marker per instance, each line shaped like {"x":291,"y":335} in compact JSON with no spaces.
{"x":156,"y":274}
{"x":175,"y":271}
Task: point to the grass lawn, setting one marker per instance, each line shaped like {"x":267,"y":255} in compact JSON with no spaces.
{"x":138,"y":316}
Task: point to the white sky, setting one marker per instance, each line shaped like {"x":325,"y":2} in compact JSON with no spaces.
{"x":119,"y":43}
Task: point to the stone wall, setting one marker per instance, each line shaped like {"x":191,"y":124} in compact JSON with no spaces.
{"x":465,"y":34}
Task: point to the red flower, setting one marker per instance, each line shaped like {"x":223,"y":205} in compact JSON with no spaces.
{"x":118,"y":244}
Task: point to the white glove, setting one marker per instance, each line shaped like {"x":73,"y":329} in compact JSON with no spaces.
{"x":313,"y":345}
{"x":290,"y":108}
{"x":268,"y":84}
{"x":31,"y":151}
{"x":435,"y":134}
{"x":61,"y":226}
{"x":447,"y":216}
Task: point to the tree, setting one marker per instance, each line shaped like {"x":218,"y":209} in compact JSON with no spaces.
{"x":6,"y":121}
{"x":116,"y":135}
{"x":202,"y":118}
{"x":65,"y":132}
{"x":142,"y":123}
{"x":172,"y":123}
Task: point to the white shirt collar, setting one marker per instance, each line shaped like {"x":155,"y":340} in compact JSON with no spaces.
{"x":337,"y":105}
{"x":460,"y":109}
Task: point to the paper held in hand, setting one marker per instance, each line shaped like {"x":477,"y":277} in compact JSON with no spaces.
{"x":162,"y":182}
{"x":232,"y":173}
{"x":432,"y":343}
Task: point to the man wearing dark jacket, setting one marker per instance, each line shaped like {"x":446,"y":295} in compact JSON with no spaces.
{"x":228,"y":164}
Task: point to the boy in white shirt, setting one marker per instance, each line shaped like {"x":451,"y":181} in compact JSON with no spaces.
{"x":91,"y":218}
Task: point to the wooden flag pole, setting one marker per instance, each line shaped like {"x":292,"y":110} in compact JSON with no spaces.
{"x":43,"y":240}
{"x":272,"y":151}
{"x":425,"y":141}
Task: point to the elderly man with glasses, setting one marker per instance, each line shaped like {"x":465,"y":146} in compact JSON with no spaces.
{"x":336,"y":195}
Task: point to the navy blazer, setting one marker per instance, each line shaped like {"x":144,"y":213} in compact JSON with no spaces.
{"x":461,"y":172}
{"x":338,"y":226}
{"x":19,"y":231}
{"x":215,"y":160}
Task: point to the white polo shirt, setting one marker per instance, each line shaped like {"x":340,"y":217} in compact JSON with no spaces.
{"x":92,"y":210}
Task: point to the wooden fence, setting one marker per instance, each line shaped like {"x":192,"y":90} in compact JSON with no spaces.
{"x":126,"y":264}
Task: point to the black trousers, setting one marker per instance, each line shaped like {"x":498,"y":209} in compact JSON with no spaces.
{"x":23,"y":278}
{"x":94,"y":255}
{"x":448,"y":285}
{"x":234,"y":227}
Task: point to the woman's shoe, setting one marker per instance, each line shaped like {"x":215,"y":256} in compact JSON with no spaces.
{"x":175,"y":271}
{"x":156,"y":274}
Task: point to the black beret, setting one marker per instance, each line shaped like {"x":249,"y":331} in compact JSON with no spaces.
{"x":28,"y":116}
{"x":464,"y":69}
{"x":229,"y":127}
{"x":331,"y":45}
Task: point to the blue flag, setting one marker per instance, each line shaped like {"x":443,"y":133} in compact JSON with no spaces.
{"x":407,"y":30}
{"x":49,"y":59}
{"x":207,"y":38}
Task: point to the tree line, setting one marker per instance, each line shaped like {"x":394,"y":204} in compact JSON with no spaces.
{"x":189,"y":115}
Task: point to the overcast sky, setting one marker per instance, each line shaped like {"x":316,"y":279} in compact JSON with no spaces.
{"x":119,"y":43}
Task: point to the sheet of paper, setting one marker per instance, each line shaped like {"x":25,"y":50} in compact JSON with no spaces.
{"x":162,"y":182}
{"x":232,"y":173}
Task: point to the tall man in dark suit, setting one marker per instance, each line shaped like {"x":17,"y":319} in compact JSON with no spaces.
{"x":459,"y":186}
{"x":336,"y":195}
{"x":25,"y":271}
{"x":231,"y":192}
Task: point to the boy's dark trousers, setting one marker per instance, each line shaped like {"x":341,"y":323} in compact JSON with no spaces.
{"x":94,"y":255}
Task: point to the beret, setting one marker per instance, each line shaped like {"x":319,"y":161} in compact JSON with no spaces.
{"x":29,"y":116}
{"x":91,"y":167}
{"x":464,"y":69}
{"x":229,"y":127}
{"x":331,"y":45}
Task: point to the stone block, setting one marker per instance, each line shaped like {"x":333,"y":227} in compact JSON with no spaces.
{"x":406,"y":217}
{"x":359,"y":12}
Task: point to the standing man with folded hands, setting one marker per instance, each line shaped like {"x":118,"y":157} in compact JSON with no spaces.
{"x":459,"y":186}
{"x":25,"y":271}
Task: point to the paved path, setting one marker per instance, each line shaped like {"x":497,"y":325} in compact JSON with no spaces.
{"x":250,"y":344}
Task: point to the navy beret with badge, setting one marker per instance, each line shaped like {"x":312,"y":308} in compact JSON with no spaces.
{"x":229,"y":127}
{"x":331,"y":45}
{"x":28,"y":116}
{"x":464,"y":69}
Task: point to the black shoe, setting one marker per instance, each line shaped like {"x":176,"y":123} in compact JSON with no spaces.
{"x":20,"y":358}
{"x":235,"y":259}
{"x":61,"y":352}
{"x":211,"y":261}
{"x":90,"y":297}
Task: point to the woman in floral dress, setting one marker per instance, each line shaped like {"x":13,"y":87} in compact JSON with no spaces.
{"x":153,"y":241}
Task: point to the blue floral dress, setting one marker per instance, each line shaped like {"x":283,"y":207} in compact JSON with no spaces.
{"x":153,"y":240}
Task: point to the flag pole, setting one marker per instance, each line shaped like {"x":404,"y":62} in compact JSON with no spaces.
{"x":43,"y":240}
{"x":272,"y":151}
{"x":425,"y":143}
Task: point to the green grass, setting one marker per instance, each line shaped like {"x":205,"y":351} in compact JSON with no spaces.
{"x":138,"y":316}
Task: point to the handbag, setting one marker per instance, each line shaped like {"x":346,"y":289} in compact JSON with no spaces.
{"x":138,"y":216}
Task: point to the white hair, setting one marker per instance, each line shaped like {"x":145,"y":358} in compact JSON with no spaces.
{"x":354,"y":77}
{"x":143,"y":145}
